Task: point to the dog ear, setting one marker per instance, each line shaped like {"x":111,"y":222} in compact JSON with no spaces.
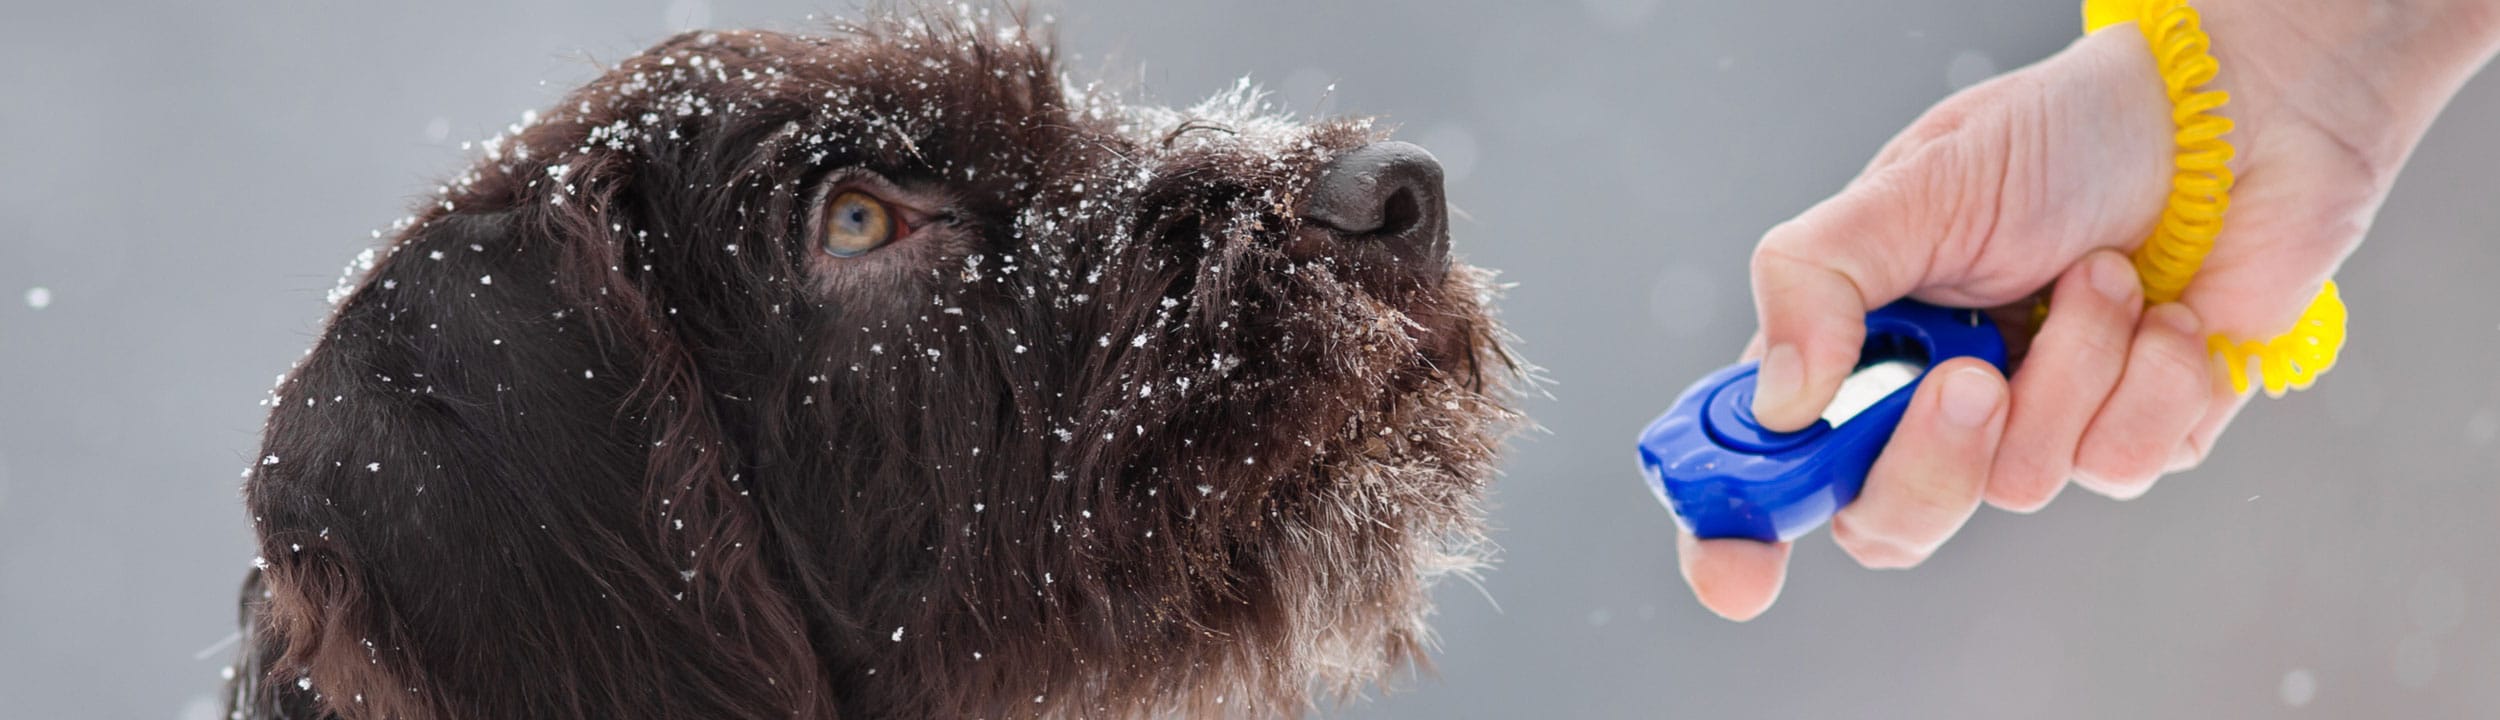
{"x":495,"y":489}
{"x":253,"y":688}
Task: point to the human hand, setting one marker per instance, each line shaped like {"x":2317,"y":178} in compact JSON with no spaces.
{"x":2046,"y":174}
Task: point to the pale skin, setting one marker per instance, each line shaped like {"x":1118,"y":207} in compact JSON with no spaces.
{"x":2038,"y":181}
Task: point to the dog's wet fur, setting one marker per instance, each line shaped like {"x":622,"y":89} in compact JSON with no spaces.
{"x":601,"y":432}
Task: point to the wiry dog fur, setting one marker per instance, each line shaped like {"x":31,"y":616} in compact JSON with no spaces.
{"x":601,"y":434}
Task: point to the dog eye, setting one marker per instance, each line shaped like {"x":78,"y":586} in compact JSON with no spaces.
{"x":857,"y":222}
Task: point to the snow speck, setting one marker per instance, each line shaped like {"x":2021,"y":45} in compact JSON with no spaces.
{"x":2298,"y":688}
{"x":485,"y":279}
{"x":39,"y":298}
{"x":898,"y":633}
{"x":1970,"y":67}
{"x":200,"y":708}
{"x":303,"y":683}
{"x":270,"y":460}
{"x":1310,"y":91}
{"x":589,"y":374}
{"x":2483,"y":428}
{"x":437,"y":129}
{"x":373,"y":467}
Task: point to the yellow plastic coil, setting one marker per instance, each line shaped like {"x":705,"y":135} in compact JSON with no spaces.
{"x":2200,"y":192}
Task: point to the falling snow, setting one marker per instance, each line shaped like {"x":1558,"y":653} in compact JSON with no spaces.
{"x":2299,"y":687}
{"x":1969,"y":67}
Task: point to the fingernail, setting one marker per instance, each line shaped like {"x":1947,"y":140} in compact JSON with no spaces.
{"x":2178,"y":318}
{"x":1778,"y":379}
{"x":2112,"y":276}
{"x":1970,"y":397}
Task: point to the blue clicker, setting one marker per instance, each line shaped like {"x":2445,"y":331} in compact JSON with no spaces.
{"x":1725,"y":476}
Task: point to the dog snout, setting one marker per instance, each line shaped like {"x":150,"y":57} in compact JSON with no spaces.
{"x":1386,"y":195}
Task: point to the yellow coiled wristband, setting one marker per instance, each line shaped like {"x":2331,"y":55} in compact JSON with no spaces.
{"x":2200,"y":191}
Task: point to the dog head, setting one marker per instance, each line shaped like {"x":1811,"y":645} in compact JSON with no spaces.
{"x":1003,"y":396}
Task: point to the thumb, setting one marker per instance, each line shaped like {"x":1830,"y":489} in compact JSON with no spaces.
{"x":2065,"y":155}
{"x":1925,"y":209}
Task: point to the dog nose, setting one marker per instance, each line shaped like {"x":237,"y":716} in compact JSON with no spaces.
{"x":1388,"y":195}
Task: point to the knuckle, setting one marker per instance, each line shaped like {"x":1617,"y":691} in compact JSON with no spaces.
{"x":1944,"y":120}
{"x":1773,"y":263}
{"x":1853,"y":537}
{"x":2118,"y":474}
{"x":2021,"y":500}
{"x":2120,"y":490}
{"x":2025,"y":490}
{"x":1933,"y":501}
{"x":2189,"y":455}
{"x":2173,"y":359}
{"x":1777,"y":250}
{"x":1883,"y":554}
{"x":2109,"y":340}
{"x":2118,"y":466}
{"x":1883,"y":540}
{"x":2089,"y":322}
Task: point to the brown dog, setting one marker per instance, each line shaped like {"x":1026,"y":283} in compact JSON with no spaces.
{"x":879,"y":374}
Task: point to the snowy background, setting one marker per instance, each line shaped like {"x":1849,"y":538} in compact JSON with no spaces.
{"x":180,"y":184}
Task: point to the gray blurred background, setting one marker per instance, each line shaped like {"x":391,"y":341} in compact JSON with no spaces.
{"x":180,"y":183}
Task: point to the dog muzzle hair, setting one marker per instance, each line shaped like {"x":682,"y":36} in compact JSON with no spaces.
{"x":882,"y":373}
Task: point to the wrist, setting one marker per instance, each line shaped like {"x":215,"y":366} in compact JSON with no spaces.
{"x":2369,"y":75}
